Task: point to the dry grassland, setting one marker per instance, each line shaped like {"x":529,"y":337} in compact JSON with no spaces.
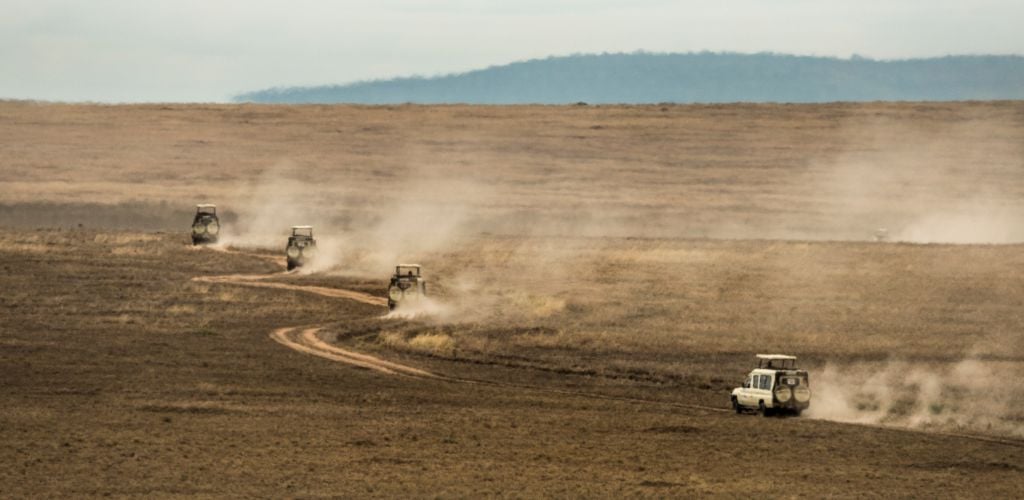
{"x":122,"y":376}
{"x":834,"y":171}
{"x":632,"y":252}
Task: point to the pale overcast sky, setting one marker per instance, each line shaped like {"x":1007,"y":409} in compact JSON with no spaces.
{"x":209,"y":50}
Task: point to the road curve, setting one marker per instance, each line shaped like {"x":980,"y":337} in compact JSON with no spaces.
{"x":259,"y":281}
{"x":306,"y":340}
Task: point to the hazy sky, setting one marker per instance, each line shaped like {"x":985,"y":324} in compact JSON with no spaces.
{"x":208,"y":50}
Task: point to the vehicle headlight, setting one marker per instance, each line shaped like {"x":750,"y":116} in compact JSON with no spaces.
{"x":213,"y":228}
{"x":783,"y":394}
{"x":293,"y":252}
{"x":198,"y":228}
{"x":395,"y":293}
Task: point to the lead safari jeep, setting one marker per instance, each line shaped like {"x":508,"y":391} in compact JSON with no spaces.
{"x":301,"y":248}
{"x":205,"y":225}
{"x":407,"y":286}
{"x":775,"y":386}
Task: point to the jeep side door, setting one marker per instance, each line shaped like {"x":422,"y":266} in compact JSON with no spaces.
{"x":746,"y":397}
{"x":760,"y":390}
{"x":765,"y":390}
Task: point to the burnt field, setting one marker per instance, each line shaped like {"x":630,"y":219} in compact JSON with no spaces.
{"x":601,"y":279}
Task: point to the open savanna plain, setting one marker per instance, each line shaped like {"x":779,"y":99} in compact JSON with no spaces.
{"x":601,"y":277}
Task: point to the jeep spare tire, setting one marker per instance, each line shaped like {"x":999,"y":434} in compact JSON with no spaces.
{"x":783,"y":394}
{"x":802,"y":394}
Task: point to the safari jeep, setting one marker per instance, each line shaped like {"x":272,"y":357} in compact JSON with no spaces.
{"x":407,"y":286}
{"x":301,"y":247}
{"x":205,"y":225}
{"x":775,"y":386}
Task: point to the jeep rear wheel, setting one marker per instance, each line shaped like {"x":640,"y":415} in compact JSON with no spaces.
{"x":765,"y":412}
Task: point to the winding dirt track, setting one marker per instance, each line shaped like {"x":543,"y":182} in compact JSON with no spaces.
{"x":259,"y":281}
{"x":305,"y":339}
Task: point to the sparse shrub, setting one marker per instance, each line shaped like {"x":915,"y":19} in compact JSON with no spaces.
{"x":438,"y":344}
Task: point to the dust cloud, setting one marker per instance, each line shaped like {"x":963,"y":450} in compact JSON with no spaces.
{"x":503,"y":279}
{"x":970,"y":224}
{"x":933,"y":182}
{"x":446,"y":224}
{"x":424,"y":307}
{"x":941,"y":183}
{"x":352,"y":240}
{"x":268,"y":207}
{"x":972,"y":395}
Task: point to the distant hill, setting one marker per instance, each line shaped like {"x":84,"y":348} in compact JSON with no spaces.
{"x":693,"y":77}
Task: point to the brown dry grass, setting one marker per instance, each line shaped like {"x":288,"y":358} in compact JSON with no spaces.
{"x":806,"y":171}
{"x":564,"y":244}
{"x":207,"y":405}
{"x":691,"y":313}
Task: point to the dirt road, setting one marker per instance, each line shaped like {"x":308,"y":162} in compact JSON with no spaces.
{"x":125,"y":377}
{"x":306,"y":340}
{"x":166,"y":388}
{"x":259,"y":281}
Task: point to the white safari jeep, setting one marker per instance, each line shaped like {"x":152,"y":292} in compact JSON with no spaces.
{"x":775,"y":386}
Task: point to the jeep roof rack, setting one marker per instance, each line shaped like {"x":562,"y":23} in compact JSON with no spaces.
{"x":408,"y":265}
{"x":302,"y":227}
{"x":776,"y":361}
{"x":206,"y":205}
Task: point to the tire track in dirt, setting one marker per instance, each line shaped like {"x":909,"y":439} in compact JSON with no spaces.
{"x":259,"y":281}
{"x":276,"y":259}
{"x":306,"y":340}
